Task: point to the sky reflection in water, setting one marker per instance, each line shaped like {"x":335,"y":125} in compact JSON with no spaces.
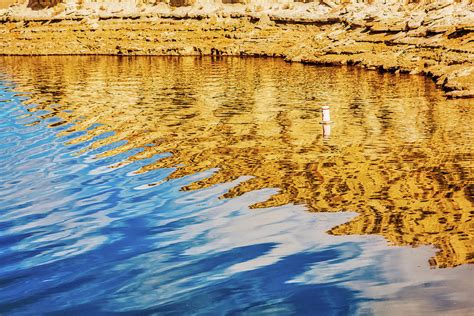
{"x":85,"y":228}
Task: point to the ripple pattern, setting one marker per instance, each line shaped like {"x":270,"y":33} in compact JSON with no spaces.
{"x":189,"y":196}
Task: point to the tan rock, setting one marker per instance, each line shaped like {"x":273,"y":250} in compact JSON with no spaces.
{"x":441,"y":29}
{"x":394,"y":25}
{"x":460,"y":94}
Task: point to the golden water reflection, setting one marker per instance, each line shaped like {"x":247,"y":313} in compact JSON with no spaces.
{"x":398,"y":153}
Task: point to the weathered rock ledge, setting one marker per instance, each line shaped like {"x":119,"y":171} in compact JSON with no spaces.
{"x":435,"y":41}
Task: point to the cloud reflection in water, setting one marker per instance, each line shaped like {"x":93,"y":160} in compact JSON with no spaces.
{"x":82,"y":230}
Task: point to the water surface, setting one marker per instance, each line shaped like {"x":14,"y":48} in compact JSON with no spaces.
{"x":185,"y":185}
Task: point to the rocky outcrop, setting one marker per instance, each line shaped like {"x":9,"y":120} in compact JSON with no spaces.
{"x":435,"y":39}
{"x":431,"y":38}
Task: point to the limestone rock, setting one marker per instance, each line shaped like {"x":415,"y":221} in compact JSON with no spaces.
{"x":460,"y":94}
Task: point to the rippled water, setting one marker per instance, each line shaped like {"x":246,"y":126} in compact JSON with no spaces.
{"x":208,"y":186}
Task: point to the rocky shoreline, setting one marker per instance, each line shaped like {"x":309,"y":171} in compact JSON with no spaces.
{"x":436,"y":40}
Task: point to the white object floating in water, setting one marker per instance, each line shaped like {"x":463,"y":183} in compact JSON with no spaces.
{"x":326,"y":115}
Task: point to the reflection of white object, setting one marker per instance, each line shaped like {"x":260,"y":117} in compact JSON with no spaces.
{"x":326,"y":130}
{"x":326,"y":115}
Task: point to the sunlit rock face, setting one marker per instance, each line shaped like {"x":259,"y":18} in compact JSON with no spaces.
{"x":397,"y":153}
{"x":431,"y":38}
{"x":333,"y":4}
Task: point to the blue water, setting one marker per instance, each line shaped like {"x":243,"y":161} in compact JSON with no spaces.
{"x":78,"y":237}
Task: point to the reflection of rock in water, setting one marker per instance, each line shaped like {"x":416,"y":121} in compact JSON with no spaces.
{"x":399,"y":154}
{"x":326,"y":131}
